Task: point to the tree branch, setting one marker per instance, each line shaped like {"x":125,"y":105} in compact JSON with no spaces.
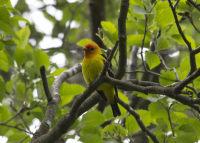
{"x":52,"y":105}
{"x":168,"y":91}
{"x":194,"y":4}
{"x":186,"y":81}
{"x":45,"y":83}
{"x":192,"y":58}
{"x":122,"y":39}
{"x":68,"y":119}
{"x":139,"y":120}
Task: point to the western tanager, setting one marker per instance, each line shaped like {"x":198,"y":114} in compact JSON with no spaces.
{"x":91,"y":67}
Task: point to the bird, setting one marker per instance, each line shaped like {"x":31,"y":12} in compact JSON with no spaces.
{"x":92,"y":66}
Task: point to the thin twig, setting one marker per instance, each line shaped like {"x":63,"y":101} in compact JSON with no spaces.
{"x":169,"y":117}
{"x":143,"y":39}
{"x":191,"y":21}
{"x":24,"y":139}
{"x":16,"y":127}
{"x":138,"y":119}
{"x":194,"y":4}
{"x":70,"y":21}
{"x":162,"y":61}
{"x":192,"y":58}
{"x":176,"y":4}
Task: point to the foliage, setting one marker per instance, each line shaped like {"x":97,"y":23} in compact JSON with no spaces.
{"x":22,"y":92}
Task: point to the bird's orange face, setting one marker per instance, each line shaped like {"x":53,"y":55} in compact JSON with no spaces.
{"x":91,"y":50}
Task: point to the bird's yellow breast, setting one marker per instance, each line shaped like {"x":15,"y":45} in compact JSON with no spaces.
{"x":91,"y":67}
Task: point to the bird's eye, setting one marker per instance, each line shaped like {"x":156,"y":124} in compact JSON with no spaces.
{"x":92,"y":49}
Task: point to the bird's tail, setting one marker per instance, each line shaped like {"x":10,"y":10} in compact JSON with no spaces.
{"x":115,"y":108}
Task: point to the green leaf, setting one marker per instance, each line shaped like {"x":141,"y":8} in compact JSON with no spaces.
{"x":40,"y":58}
{"x":184,"y":68}
{"x":141,"y":24}
{"x":14,"y":20}
{"x":88,"y":129}
{"x":195,"y":124}
{"x":3,"y":62}
{"x":3,"y":2}
{"x":21,"y":90}
{"x":145,"y":116}
{"x":2,"y":88}
{"x":108,"y":112}
{"x":167,"y":78}
{"x":157,"y":110}
{"x":5,"y":15}
{"x":162,"y":44}
{"x":160,"y":136}
{"x":10,"y":85}
{"x":91,"y":138}
{"x":161,"y":126}
{"x":125,"y":99}
{"x":23,"y":34}
{"x":136,"y":40}
{"x":8,"y":30}
{"x":152,"y":99}
{"x":173,"y":30}
{"x":139,"y":10}
{"x":179,"y":107}
{"x":58,"y":72}
{"x":179,"y":40}
{"x":84,"y":42}
{"x":107,"y":42}
{"x":187,"y":128}
{"x":116,"y":129}
{"x":17,"y":137}
{"x":19,"y":56}
{"x":108,"y":26}
{"x":152,"y":59}
{"x":180,"y":115}
{"x":10,"y":47}
{"x":186,"y":138}
{"x":14,"y":10}
{"x":67,"y":92}
{"x":8,"y":4}
{"x":2,"y":45}
{"x":136,"y":2}
{"x":132,"y":125}
{"x":164,"y":15}
{"x":4,"y":114}
{"x":93,"y":118}
{"x":29,"y":70}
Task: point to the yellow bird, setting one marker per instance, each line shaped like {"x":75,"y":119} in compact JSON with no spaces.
{"x":92,"y":65}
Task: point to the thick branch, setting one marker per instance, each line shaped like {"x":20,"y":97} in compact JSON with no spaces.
{"x":122,"y":39}
{"x":45,"y":83}
{"x":68,"y":119}
{"x":168,"y":91}
{"x":52,"y":105}
{"x":186,"y":81}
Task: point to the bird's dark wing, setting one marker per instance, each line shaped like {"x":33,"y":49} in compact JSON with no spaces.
{"x":101,"y":93}
{"x":110,"y":73}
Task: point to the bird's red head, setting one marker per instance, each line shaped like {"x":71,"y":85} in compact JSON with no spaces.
{"x":91,"y":49}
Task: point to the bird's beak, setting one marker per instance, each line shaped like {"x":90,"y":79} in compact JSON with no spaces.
{"x":85,"y":49}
